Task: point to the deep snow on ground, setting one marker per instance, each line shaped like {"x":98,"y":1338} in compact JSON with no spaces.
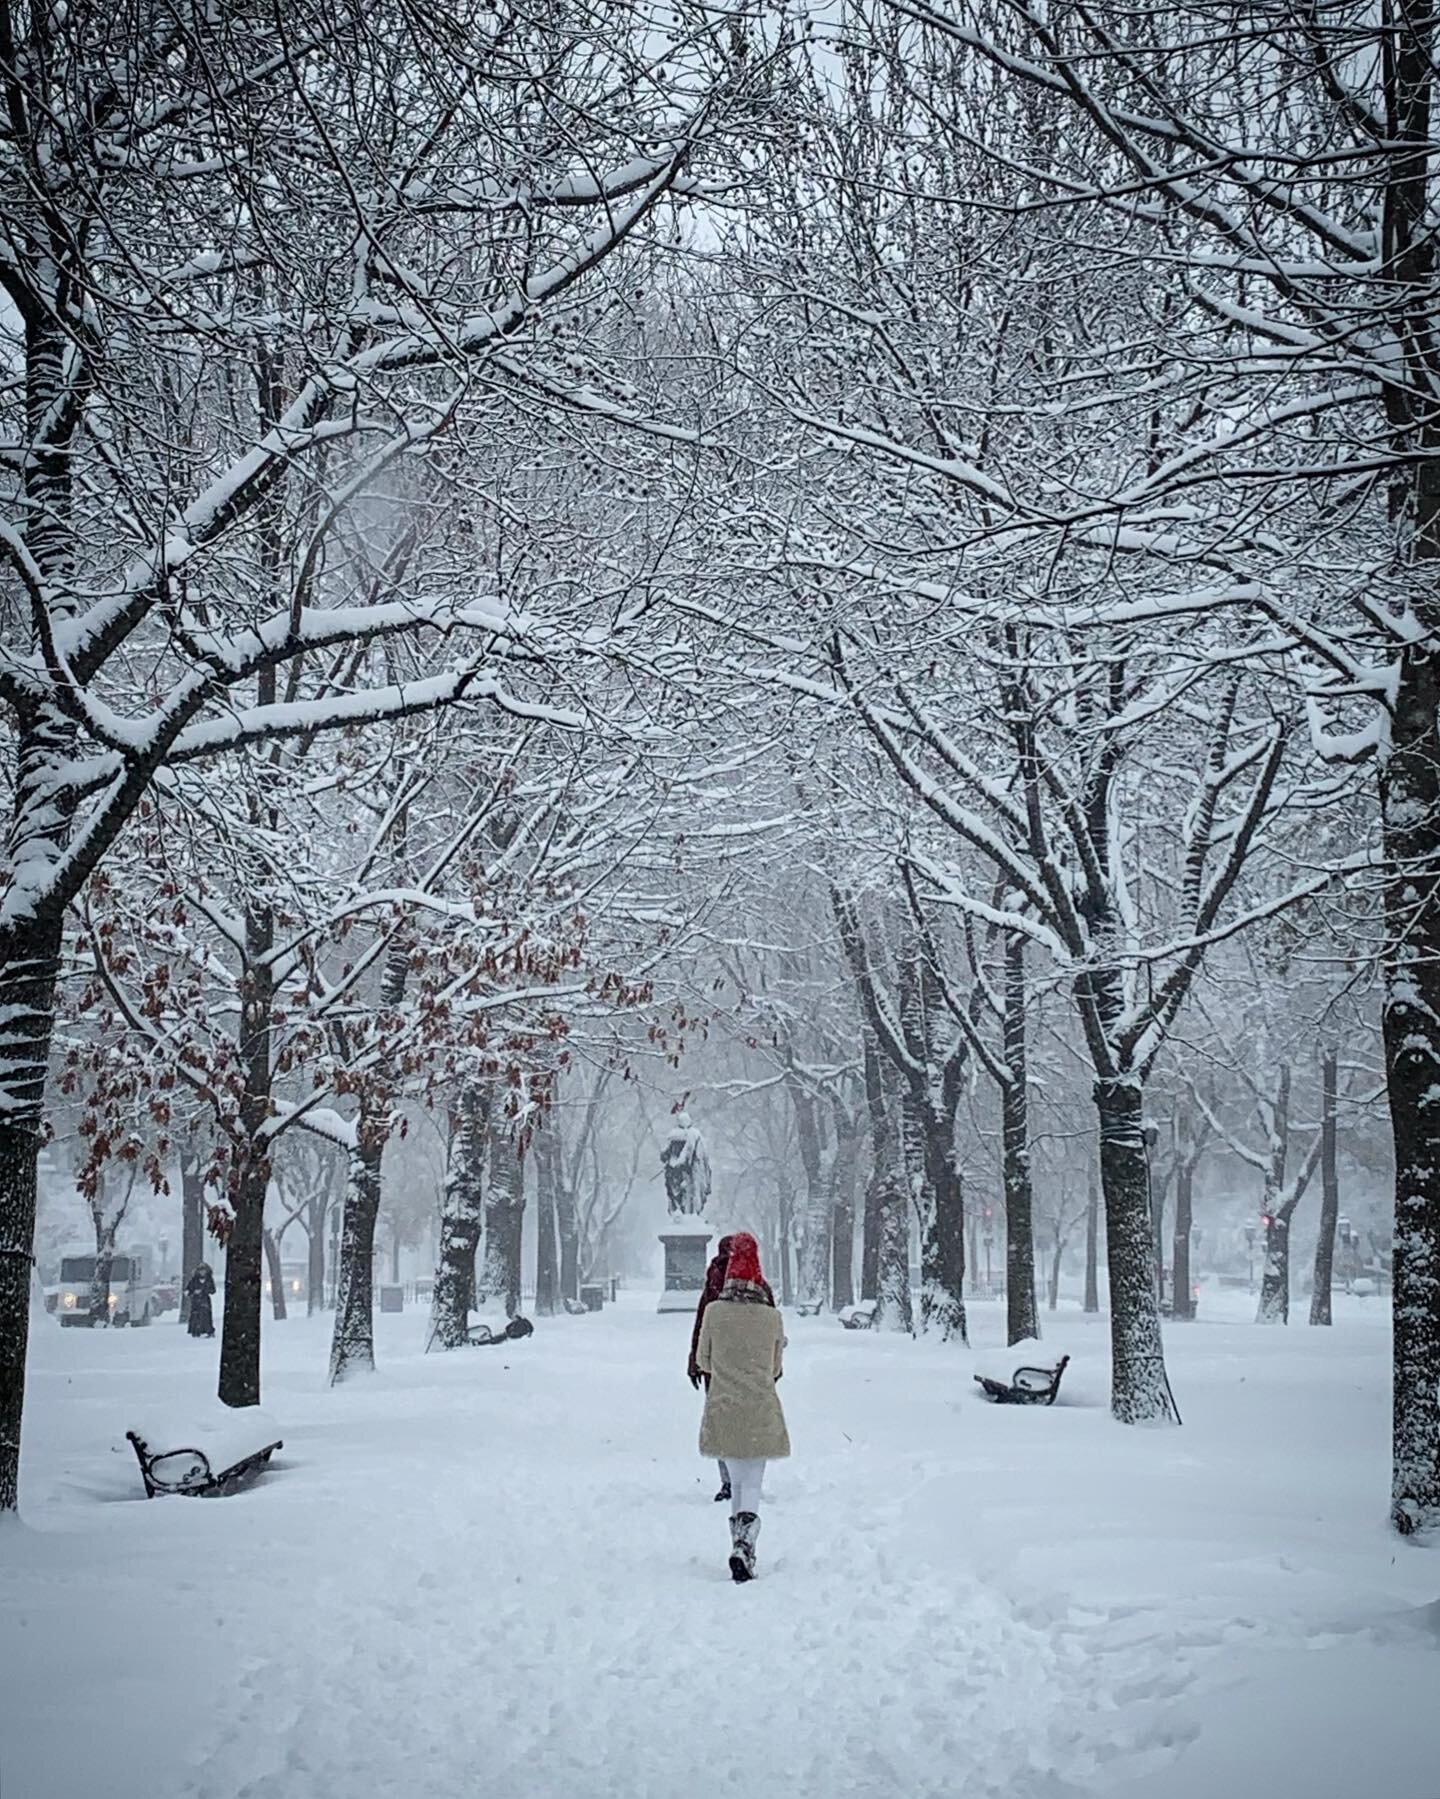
{"x":500,"y":1572}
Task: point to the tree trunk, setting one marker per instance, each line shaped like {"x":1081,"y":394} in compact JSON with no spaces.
{"x":274,"y":1274}
{"x":1021,"y":1321}
{"x":1140,"y":1389}
{"x":504,"y":1220}
{"x":244,"y":1286}
{"x":842,"y":1212}
{"x":890,"y":1207}
{"x":547,"y":1183}
{"x":352,"y":1341}
{"x":1329,"y":1189}
{"x":879,"y":1189}
{"x":1182,"y":1301}
{"x":942,"y":1259}
{"x":104,"y":1264}
{"x":463,"y":1209}
{"x":318,"y":1217}
{"x":1275,"y":1282}
{"x":785,"y":1205}
{"x":815,"y":1216}
{"x":27,"y":1000}
{"x":1057,"y":1256}
{"x":567,"y":1220}
{"x":1092,"y":1248}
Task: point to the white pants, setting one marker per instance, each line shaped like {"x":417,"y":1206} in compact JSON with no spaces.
{"x":746,"y":1480}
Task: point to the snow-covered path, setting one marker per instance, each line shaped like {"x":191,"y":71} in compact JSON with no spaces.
{"x":500,"y":1573}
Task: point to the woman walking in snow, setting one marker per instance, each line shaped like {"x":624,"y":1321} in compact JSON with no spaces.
{"x":739,"y":1357}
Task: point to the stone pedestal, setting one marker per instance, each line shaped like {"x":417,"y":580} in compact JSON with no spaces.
{"x":686,"y":1241}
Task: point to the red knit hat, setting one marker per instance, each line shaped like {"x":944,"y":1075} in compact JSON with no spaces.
{"x":744,"y":1263}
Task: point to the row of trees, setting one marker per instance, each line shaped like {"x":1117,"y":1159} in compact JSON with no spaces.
{"x":896,"y":545}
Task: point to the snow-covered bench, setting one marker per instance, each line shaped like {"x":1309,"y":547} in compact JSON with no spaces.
{"x":811,"y":1308}
{"x":858,"y":1317}
{"x":1027,"y":1386}
{"x":206,"y":1461}
{"x":484,"y":1336}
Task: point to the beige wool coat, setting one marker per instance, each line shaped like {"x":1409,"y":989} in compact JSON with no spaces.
{"x":740,"y":1349}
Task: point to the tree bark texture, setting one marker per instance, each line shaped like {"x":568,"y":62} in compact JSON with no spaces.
{"x":244,"y":1285}
{"x":504,"y":1219}
{"x":814,"y":1269}
{"x":842,"y":1210}
{"x":1140,"y":1389}
{"x":460,"y":1218}
{"x":1021,"y":1321}
{"x":1092,"y":1248}
{"x":27,"y":1000}
{"x":274,"y":1275}
{"x":547,"y":1248}
{"x":1320,"y":1290}
{"x":352,"y":1341}
{"x":888,"y":1207}
{"x":1182,"y":1302}
{"x":1410,"y":800}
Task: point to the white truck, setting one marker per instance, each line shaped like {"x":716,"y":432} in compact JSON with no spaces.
{"x":132,"y":1283}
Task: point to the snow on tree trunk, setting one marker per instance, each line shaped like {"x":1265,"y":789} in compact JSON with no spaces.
{"x":1329,"y":1189}
{"x":1182,"y":1303}
{"x":315,"y":1261}
{"x":879,"y":1189}
{"x":1092,"y":1248}
{"x":842,"y":1213}
{"x":274,"y":1275}
{"x":244,"y":1283}
{"x":1021,"y":1320}
{"x":1410,"y":800}
{"x":815,"y":1215}
{"x":1274,"y":1307}
{"x":352,"y":1342}
{"x":889,"y":1210}
{"x":460,"y":1218}
{"x":547,"y":1182}
{"x":504,"y":1219}
{"x":1139,"y":1389}
{"x":27,"y":1005}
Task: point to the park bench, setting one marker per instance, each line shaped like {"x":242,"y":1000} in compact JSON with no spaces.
{"x":223,"y":1466}
{"x":575,"y":1308}
{"x":859,"y":1317}
{"x":812,"y":1308}
{"x":1027,"y":1386}
{"x":485,"y":1336}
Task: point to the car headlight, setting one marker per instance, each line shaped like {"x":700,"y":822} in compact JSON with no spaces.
{"x":69,"y":1302}
{"x":110,"y":1300}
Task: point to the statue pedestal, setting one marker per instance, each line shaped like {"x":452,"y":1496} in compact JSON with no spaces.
{"x":686,"y":1241}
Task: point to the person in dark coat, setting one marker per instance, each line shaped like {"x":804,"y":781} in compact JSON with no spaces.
{"x":714,"y":1281}
{"x":200,"y":1289}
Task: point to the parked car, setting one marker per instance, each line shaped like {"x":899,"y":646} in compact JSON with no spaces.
{"x":132,"y":1293}
{"x":165,"y":1295}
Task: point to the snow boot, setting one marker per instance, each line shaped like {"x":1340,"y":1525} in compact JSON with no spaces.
{"x":724,"y":1492}
{"x":744,"y":1528}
